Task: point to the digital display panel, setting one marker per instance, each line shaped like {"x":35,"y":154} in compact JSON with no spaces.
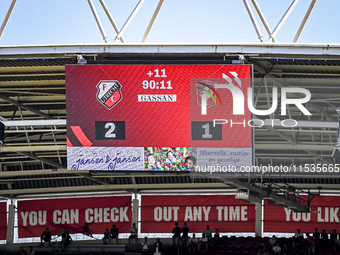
{"x":158,"y":117}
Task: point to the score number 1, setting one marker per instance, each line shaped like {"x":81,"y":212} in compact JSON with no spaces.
{"x":205,"y":130}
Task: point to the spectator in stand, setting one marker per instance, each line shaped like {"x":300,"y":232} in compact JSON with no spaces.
{"x":211,"y":243}
{"x":299,"y":243}
{"x":203,"y":242}
{"x":106,"y":237}
{"x":293,"y":249}
{"x":272,"y":242}
{"x":185,"y":232}
{"x":208,"y":232}
{"x":298,"y":233}
{"x":158,"y":246}
{"x":311,"y":248}
{"x":67,"y":241}
{"x":114,"y":233}
{"x":63,"y":238}
{"x":261,"y":249}
{"x":324,"y":243}
{"x":145,"y":246}
{"x":193,"y":244}
{"x":86,"y":230}
{"x":134,"y":233}
{"x":216,"y":235}
{"x":276,"y":249}
{"x":284,"y":248}
{"x":337,"y":245}
{"x":316,"y":237}
{"x":63,"y":231}
{"x":46,"y":237}
{"x":176,"y":234}
{"x":333,"y":237}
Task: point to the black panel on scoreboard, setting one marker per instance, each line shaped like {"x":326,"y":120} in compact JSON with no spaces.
{"x":110,"y":130}
{"x":205,"y":130}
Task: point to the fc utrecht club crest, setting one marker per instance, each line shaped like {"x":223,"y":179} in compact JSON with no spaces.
{"x":109,"y":93}
{"x":199,"y":92}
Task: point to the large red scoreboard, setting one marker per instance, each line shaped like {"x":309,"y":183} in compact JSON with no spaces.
{"x":157,"y":117}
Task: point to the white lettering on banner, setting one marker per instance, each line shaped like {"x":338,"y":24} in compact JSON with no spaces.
{"x":24,"y":216}
{"x":188,"y":214}
{"x":106,"y":217}
{"x":67,"y":216}
{"x":334,"y":214}
{"x":56,"y":214}
{"x":287,"y":211}
{"x":244,"y":213}
{"x":194,"y":213}
{"x":197,"y":213}
{"x":157,"y":213}
{"x":297,"y":216}
{"x":206,"y":211}
{"x":236,"y":213}
{"x":34,"y":218}
{"x":325,"y":214}
{"x":114,"y":216}
{"x":166,"y":213}
{"x":122,"y":214}
{"x":105,"y":214}
{"x":71,"y":216}
{"x":98,"y":213}
{"x":88,"y":218}
{"x":219,"y":212}
{"x":330,"y":214}
{"x":306,"y":217}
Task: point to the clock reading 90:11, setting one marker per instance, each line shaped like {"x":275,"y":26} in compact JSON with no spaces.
{"x":152,"y":84}
{"x":156,"y":85}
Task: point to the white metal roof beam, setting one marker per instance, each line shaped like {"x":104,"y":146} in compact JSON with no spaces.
{"x":263,"y":19}
{"x":313,"y":50}
{"x":8,"y":15}
{"x":113,"y":22}
{"x":154,"y":16}
{"x":304,"y":21}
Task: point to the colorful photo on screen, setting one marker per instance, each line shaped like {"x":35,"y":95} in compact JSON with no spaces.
{"x":170,"y":158}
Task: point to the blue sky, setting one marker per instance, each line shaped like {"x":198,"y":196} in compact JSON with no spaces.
{"x":35,"y":22}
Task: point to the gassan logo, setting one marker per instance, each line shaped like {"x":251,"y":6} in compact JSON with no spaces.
{"x":207,"y":93}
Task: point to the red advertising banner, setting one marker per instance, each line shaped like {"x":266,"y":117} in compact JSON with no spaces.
{"x":160,"y":213}
{"x":34,"y":216}
{"x":3,"y":220}
{"x":280,"y":219}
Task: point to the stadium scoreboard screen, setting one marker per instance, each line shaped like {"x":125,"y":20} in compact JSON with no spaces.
{"x":157,"y":117}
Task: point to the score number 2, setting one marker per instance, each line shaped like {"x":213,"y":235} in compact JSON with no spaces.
{"x":111,"y":126}
{"x":110,"y":130}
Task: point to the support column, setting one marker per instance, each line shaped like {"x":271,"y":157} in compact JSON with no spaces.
{"x":135,"y":205}
{"x":10,"y":224}
{"x":258,"y":219}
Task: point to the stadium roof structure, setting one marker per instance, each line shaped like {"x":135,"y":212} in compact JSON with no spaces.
{"x":33,"y":108}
